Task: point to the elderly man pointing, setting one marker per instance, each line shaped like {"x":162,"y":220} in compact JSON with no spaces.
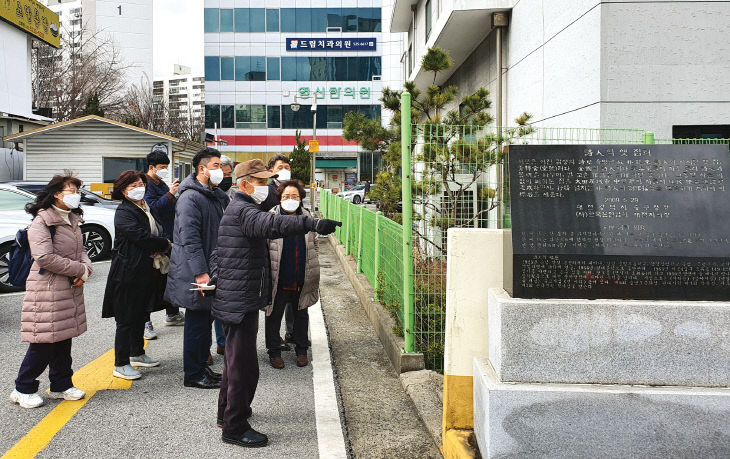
{"x":241,"y":272}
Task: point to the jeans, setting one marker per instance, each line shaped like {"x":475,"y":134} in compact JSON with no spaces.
{"x":220,"y":335}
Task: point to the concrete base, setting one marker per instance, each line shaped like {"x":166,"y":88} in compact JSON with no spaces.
{"x":379,"y":317}
{"x":609,"y":341}
{"x":561,"y":420}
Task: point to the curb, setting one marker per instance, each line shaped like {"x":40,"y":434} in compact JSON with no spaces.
{"x":424,"y":388}
{"x":380,"y":318}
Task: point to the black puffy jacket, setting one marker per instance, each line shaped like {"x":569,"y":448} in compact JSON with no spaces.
{"x":241,"y":260}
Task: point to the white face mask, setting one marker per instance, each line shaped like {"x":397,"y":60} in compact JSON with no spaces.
{"x":162,"y":174}
{"x":72,"y":200}
{"x":216,"y":176}
{"x":284,"y":175}
{"x":290,"y":205}
{"x":136,"y":194}
{"x":260,"y":193}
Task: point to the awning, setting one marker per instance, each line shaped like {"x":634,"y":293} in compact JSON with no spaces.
{"x":335,"y":163}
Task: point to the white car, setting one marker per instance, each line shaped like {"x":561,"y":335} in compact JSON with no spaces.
{"x":98,"y":228}
{"x":356,"y":195}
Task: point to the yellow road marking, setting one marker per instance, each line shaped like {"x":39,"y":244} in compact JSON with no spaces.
{"x":93,"y":377}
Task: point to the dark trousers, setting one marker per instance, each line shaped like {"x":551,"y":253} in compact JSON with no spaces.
{"x":170,"y":310}
{"x":240,"y":375}
{"x":55,"y":356}
{"x":284,"y":300}
{"x":196,"y":343}
{"x":128,"y":341}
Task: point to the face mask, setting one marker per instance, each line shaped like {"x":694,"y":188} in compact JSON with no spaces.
{"x":290,"y":205}
{"x":284,"y":175}
{"x":216,"y":176}
{"x":260,"y":193}
{"x":226,"y":183}
{"x":136,"y":194}
{"x":162,"y":174}
{"x":72,"y":200}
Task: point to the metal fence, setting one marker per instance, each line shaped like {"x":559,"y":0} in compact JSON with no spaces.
{"x":457,"y":179}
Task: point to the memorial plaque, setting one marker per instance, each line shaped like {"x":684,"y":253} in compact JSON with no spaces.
{"x":620,"y":221}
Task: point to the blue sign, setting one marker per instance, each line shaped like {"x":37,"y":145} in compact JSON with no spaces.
{"x":330,"y":44}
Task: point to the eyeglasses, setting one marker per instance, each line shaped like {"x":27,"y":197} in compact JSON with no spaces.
{"x":290,"y":196}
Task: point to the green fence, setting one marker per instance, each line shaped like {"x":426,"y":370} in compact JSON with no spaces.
{"x":457,"y":179}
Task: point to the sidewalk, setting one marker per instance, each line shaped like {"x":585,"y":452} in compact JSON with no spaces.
{"x":156,"y":416}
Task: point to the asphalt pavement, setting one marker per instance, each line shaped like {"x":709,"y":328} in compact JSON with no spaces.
{"x":157,"y":416}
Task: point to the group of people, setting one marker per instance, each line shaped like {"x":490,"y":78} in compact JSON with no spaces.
{"x":221,"y":252}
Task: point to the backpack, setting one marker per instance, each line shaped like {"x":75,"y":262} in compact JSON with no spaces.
{"x":19,"y":259}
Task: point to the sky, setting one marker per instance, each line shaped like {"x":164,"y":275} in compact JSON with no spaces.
{"x":177,"y":36}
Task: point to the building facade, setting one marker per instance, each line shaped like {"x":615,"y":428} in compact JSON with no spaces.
{"x":656,"y":66}
{"x":183,"y":96}
{"x":127,"y":22}
{"x":257,"y":60}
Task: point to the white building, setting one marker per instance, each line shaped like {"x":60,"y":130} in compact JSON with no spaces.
{"x":16,"y":96}
{"x":258,"y":58}
{"x":127,"y":22}
{"x":657,"y":66}
{"x":183,"y":92}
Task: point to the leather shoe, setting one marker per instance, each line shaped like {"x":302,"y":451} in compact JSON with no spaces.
{"x":210,"y":359}
{"x":220,"y":350}
{"x":212,"y":374}
{"x":249,"y":439}
{"x":205,"y":382}
{"x":276,"y":362}
{"x":302,"y":361}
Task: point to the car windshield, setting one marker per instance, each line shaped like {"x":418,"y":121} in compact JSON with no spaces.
{"x":358,"y":188}
{"x":10,"y":200}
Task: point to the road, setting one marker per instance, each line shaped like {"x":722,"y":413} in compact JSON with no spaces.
{"x":156,"y":416}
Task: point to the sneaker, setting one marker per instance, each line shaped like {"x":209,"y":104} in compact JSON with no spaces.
{"x":143,"y":360}
{"x":26,"y":400}
{"x":175,"y":319}
{"x":149,"y":331}
{"x":126,"y":372}
{"x":72,"y":393}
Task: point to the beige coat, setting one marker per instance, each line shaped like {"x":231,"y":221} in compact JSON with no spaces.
{"x":310,"y":290}
{"x":53,"y":310}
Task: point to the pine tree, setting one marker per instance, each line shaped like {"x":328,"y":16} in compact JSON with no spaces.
{"x":92,"y":106}
{"x":300,"y":160}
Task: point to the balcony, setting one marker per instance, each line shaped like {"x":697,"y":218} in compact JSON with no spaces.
{"x":459,"y":28}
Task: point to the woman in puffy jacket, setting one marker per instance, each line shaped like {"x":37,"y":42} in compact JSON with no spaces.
{"x":136,"y":280}
{"x":53,"y":308}
{"x":294,"y":278}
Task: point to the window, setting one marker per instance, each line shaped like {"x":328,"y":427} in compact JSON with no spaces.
{"x":428,"y":18}
{"x":718,"y":131}
{"x":319,"y":19}
{"x":303,"y":69}
{"x":227,"y":118}
{"x":273,"y":118}
{"x":410,"y":60}
{"x":250,"y":20}
{"x":212,"y":116}
{"x":288,"y":20}
{"x":334,"y":18}
{"x":210,"y":16}
{"x":369,"y":20}
{"x":250,"y":116}
{"x":227,"y":72}
{"x":250,"y":68}
{"x":226,"y":20}
{"x":10,"y":200}
{"x":289,"y":69}
{"x":303,"y":19}
{"x":272,"y":68}
{"x":320,"y":68}
{"x":328,"y":116}
{"x":212,"y":68}
{"x":272,"y":20}
{"x":114,"y":166}
{"x":349,"y":19}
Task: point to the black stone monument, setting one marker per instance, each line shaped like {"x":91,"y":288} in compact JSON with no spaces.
{"x":620,"y":221}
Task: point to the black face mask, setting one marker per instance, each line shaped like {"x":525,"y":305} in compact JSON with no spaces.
{"x":226,"y":183}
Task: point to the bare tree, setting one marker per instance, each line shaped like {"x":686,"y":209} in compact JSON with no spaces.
{"x":88,"y":63}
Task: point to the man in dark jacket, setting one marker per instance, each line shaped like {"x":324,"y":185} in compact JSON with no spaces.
{"x":161,"y":200}
{"x":280,"y":166}
{"x":243,"y":288}
{"x":197,"y":216}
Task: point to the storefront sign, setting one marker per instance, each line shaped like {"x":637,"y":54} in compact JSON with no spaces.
{"x":32,"y":17}
{"x":331,"y":44}
{"x":314,"y":146}
{"x":362,"y":93}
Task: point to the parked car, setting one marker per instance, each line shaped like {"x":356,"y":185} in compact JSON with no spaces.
{"x":356,"y":194}
{"x":98,"y":227}
{"x":87,"y":197}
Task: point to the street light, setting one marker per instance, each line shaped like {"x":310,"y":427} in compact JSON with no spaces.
{"x":295,"y":108}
